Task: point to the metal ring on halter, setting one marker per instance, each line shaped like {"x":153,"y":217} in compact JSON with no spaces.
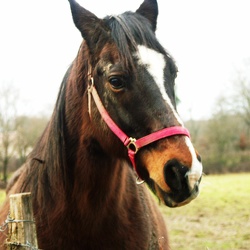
{"x":132,"y":145}
{"x":139,"y":181}
{"x":90,"y":89}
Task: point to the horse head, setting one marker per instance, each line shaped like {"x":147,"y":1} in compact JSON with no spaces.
{"x":134,"y":78}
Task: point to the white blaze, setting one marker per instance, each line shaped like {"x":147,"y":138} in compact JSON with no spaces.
{"x":196,"y":169}
{"x":155,"y":64}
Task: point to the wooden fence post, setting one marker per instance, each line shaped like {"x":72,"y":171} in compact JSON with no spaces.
{"x":21,"y":224}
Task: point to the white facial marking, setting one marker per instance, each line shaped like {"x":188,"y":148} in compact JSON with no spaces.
{"x":195,"y":172}
{"x":155,"y":64}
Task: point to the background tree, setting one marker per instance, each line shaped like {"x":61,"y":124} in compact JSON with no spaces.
{"x":221,"y":140}
{"x":27,"y":132}
{"x":241,"y":95}
{"x":8,"y":113}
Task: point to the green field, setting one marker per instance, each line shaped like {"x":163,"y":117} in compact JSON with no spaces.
{"x":2,"y":196}
{"x":218,"y":219}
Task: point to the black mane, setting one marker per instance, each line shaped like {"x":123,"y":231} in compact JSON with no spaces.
{"x":129,"y":30}
{"x":48,"y":158}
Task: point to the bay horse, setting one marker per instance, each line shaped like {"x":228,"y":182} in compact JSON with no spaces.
{"x":115,"y":120}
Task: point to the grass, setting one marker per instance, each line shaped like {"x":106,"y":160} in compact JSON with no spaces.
{"x":218,"y":219}
{"x":2,"y":196}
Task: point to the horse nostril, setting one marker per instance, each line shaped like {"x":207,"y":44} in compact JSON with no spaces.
{"x":175,"y":175}
{"x":198,"y":157}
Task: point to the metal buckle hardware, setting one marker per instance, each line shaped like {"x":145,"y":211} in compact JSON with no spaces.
{"x":132,"y":145}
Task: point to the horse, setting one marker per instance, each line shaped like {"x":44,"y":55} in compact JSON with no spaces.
{"x":114,"y":126}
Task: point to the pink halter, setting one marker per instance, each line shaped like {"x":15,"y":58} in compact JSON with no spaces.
{"x":132,"y":144}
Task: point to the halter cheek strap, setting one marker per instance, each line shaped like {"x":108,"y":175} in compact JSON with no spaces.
{"x":132,"y":144}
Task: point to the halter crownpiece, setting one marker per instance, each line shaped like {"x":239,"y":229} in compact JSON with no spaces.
{"x":132,"y":144}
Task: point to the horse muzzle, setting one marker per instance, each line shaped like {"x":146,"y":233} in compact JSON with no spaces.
{"x":173,"y":170}
{"x":183,"y":184}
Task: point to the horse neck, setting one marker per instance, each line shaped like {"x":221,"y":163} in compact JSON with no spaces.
{"x":99,"y":182}
{"x":97,"y":174}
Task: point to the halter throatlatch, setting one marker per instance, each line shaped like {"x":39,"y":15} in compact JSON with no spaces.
{"x":132,"y":144}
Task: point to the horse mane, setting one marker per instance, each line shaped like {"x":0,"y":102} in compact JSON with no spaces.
{"x":47,"y":162}
{"x":128,"y":30}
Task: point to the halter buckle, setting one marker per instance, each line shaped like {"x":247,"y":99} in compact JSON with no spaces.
{"x":139,"y":181}
{"x":132,"y":145}
{"x":90,"y":89}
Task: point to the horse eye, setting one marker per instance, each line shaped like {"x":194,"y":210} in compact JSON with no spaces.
{"x":116,"y":82}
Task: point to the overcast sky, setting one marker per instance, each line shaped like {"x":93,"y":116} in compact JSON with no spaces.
{"x":209,"y":40}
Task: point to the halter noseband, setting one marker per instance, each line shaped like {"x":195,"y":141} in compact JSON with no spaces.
{"x":132,"y":144}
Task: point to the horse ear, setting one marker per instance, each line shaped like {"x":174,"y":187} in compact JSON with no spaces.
{"x":149,"y":9}
{"x":91,"y":27}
